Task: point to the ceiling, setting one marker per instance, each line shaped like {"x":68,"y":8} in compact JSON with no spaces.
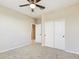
{"x":50,"y":5}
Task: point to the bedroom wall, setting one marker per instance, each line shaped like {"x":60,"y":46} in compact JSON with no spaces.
{"x":71,"y":16}
{"x":38,"y":20}
{"x":72,"y":33}
{"x":15,"y":29}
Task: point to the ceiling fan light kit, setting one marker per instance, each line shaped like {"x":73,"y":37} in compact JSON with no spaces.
{"x":33,"y":4}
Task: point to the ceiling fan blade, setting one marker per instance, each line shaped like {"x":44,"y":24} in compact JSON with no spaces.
{"x":24,"y":5}
{"x":40,"y":6}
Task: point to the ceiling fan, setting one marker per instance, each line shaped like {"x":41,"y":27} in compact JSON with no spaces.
{"x":33,"y":4}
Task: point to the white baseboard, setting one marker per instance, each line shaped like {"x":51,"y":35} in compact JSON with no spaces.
{"x":14,"y":48}
{"x":72,"y":51}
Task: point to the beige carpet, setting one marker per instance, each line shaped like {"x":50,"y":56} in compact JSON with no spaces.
{"x":37,"y":52}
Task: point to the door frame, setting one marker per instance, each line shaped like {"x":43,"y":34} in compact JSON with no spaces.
{"x":33,"y":33}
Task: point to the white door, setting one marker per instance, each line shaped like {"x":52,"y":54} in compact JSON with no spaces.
{"x":60,"y":34}
{"x":38,"y":33}
{"x":49,"y":29}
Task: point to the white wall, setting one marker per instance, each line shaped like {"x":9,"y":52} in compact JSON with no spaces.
{"x":72,"y":31}
{"x":15,"y":29}
{"x":71,"y":16}
{"x":38,"y":20}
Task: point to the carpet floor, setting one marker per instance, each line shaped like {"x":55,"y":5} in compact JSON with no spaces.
{"x":37,"y":52}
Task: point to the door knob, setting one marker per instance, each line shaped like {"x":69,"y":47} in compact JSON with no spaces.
{"x":63,"y":36}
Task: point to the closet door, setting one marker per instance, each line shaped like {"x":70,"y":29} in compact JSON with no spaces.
{"x":49,"y":33}
{"x":60,"y":33}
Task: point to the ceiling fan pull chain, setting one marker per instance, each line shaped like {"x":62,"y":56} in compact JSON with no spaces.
{"x":32,"y":10}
